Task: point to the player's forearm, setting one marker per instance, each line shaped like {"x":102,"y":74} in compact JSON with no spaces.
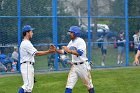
{"x":60,"y":51}
{"x":136,"y":57}
{"x":73,"y":52}
{"x":40,"y":53}
{"x":70,"y":51}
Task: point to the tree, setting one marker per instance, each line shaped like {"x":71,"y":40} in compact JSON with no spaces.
{"x":117,"y":7}
{"x":134,"y":10}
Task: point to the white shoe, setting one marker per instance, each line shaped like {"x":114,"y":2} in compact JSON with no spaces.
{"x":118,"y":62}
{"x":102,"y":64}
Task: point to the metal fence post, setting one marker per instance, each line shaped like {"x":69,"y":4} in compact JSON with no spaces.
{"x":54,"y":24}
{"x":89,"y":35}
{"x":126,"y":31}
{"x":19,"y":31}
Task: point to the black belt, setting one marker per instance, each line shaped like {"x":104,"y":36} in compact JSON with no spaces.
{"x":28,"y":62}
{"x":78,"y":63}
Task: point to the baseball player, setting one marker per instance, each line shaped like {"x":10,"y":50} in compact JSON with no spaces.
{"x":80,"y":65}
{"x":136,"y":61}
{"x":27,"y":53}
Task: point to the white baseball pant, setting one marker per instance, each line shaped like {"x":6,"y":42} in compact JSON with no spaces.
{"x":82,"y":71}
{"x":27,"y":71}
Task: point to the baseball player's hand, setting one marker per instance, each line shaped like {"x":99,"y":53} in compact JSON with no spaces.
{"x":136,"y":62}
{"x":66,"y":49}
{"x":52,"y":49}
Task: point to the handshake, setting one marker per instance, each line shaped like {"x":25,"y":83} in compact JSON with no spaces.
{"x":53,"y":49}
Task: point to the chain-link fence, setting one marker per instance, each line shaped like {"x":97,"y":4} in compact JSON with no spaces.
{"x":101,"y":23}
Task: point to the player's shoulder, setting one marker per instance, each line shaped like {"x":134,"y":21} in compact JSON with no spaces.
{"x":26,"y":43}
{"x":80,"y":39}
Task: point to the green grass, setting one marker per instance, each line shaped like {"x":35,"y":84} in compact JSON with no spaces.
{"x":122,"y":80}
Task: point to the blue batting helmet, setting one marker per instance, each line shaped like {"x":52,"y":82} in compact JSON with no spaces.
{"x":27,"y":28}
{"x":76,"y":30}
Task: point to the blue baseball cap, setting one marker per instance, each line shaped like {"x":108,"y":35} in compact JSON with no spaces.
{"x":27,"y":28}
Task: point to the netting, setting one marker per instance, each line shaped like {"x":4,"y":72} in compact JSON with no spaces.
{"x":52,"y":19}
